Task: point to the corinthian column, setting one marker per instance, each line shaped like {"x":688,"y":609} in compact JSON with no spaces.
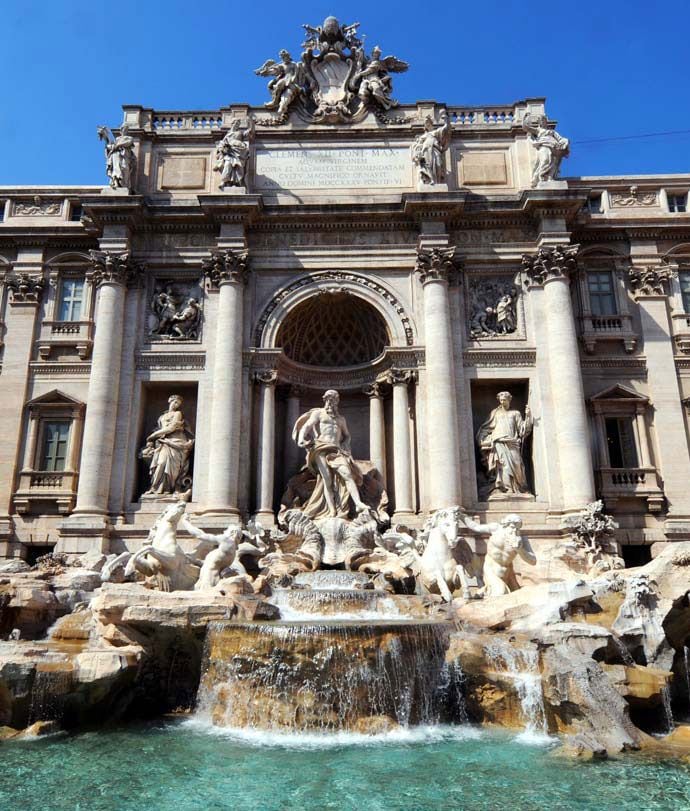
{"x":267,"y":446}
{"x":434,"y":266}
{"x":552,"y":268}
{"x":292,"y":453}
{"x":226,"y":272}
{"x":110,"y":273}
{"x":377,"y":428}
{"x":402,"y":447}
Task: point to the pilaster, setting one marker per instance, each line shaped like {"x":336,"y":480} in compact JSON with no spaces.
{"x":25,"y":285}
{"x":649,"y":279}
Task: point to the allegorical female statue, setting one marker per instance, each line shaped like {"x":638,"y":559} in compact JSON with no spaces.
{"x":501,"y":439}
{"x":120,"y":160}
{"x":168,"y":450}
{"x":428,"y":149}
{"x":232,"y":155}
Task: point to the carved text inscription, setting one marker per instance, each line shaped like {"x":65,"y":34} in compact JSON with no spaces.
{"x":336,"y":168}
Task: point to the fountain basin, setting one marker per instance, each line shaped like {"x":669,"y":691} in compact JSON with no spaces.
{"x":328,"y":676}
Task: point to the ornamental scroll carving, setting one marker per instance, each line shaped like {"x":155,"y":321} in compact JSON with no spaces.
{"x":634,"y":199}
{"x":550,"y":263}
{"x":36,"y":208}
{"x":226,"y":266}
{"x":342,"y":278}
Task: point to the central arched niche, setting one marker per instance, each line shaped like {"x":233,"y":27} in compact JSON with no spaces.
{"x":333,"y":329}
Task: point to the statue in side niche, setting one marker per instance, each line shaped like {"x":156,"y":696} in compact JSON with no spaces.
{"x":324,"y":434}
{"x":501,"y":440}
{"x":372,"y":78}
{"x":232,"y":154}
{"x":287,"y":83}
{"x":120,"y":160}
{"x":551,"y":148}
{"x":428,"y":150}
{"x":168,"y":450}
{"x":504,"y":545}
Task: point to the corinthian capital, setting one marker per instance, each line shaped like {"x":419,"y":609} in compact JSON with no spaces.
{"x":436,"y":264}
{"x":650,"y":281}
{"x":556,"y":262}
{"x":226,"y":266}
{"x":400,"y":377}
{"x":26,"y":289}
{"x":115,"y":268}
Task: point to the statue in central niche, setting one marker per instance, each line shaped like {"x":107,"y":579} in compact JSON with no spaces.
{"x":324,"y":434}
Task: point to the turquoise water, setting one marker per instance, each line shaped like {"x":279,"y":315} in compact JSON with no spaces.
{"x":180,"y":766}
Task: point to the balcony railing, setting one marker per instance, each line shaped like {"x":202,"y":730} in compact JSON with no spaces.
{"x":35,"y":486}
{"x":617,"y":327}
{"x":634,"y":482}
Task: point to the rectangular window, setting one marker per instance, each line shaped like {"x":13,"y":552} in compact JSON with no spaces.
{"x":620,"y":439}
{"x":684,"y":277}
{"x":602,"y":298}
{"x":55,"y":440}
{"x":2,"y":210}
{"x":677,"y":203}
{"x":75,"y":212}
{"x":594,"y":204}
{"x":71,"y":295}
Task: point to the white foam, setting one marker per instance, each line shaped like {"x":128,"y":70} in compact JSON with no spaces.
{"x":331,"y":740}
{"x":532,"y":737}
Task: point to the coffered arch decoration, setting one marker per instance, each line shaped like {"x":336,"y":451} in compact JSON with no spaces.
{"x":348,"y":286}
{"x":333,"y":329}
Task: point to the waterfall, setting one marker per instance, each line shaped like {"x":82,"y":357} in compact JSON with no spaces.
{"x":521,"y":666}
{"x":686,"y":660}
{"x":51,"y":687}
{"x":329,"y":676}
{"x":668,"y":711}
{"x":334,"y":603}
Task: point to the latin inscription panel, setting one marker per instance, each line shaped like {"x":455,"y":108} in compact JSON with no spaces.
{"x":331,"y":169}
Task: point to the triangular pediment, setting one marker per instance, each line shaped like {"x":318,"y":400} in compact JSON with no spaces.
{"x":619,"y":392}
{"x":55,"y":397}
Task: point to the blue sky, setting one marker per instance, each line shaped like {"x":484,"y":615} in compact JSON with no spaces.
{"x":608,"y":69}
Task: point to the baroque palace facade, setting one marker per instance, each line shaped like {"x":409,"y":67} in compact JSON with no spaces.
{"x":419,"y":259}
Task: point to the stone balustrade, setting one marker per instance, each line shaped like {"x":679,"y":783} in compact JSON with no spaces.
{"x":639,"y":482}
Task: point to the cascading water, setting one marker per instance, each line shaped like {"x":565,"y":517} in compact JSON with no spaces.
{"x":686,"y":659}
{"x":329,"y":676}
{"x":521,"y":666}
{"x":668,"y":711}
{"x":340,"y":603}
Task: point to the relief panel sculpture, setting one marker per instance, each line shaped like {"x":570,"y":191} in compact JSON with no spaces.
{"x":175,"y":311}
{"x":492,"y":307}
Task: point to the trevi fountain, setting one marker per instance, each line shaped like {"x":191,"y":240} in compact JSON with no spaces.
{"x":291,"y":574}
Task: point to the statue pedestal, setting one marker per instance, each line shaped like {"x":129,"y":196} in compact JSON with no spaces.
{"x":432,"y":187}
{"x":233,"y":191}
{"x":553,"y":184}
{"x":115,"y":192}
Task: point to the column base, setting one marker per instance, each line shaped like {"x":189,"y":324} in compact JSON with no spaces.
{"x":6,"y":528}
{"x":405,"y":517}
{"x":266,"y":518}
{"x":218,"y":519}
{"x":82,"y":532}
